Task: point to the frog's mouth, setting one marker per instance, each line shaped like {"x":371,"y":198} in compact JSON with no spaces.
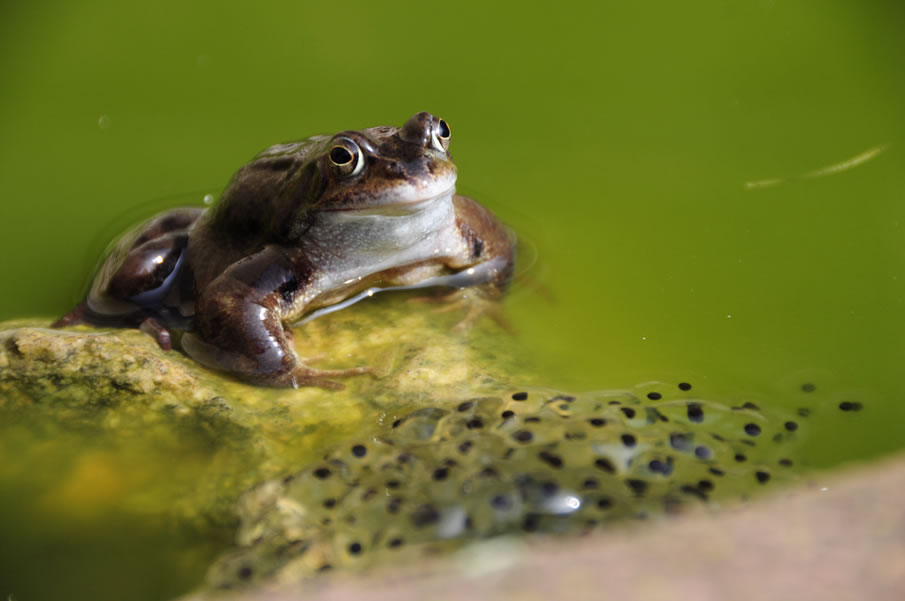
{"x":400,"y":205}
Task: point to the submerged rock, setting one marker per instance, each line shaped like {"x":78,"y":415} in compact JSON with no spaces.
{"x":454,"y":440}
{"x":120,"y":387}
{"x":535,"y":461}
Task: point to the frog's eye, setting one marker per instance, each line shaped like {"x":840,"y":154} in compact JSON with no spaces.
{"x":340,"y":156}
{"x":441,"y":136}
{"x":346,"y":156}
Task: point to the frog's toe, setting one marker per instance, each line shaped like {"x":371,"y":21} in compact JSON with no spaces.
{"x":155,"y":330}
{"x":305,"y":375}
{"x":455,"y":297}
{"x":340,"y":373}
{"x":480,"y":308}
{"x":473,"y":304}
{"x":299,"y":381}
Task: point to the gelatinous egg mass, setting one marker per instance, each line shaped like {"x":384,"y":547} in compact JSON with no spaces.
{"x":534,"y":461}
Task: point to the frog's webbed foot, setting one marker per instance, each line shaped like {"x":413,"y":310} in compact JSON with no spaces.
{"x":155,"y":330}
{"x":150,"y":326}
{"x":305,"y":375}
{"x":473,"y":303}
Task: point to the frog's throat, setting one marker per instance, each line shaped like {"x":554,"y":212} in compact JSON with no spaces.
{"x":351,"y":245}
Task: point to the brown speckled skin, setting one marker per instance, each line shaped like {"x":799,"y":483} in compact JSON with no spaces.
{"x":289,"y":221}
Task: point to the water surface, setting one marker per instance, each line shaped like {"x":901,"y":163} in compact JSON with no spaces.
{"x":672,"y":167}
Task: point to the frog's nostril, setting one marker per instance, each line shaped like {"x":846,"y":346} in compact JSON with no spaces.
{"x":417,"y":130}
{"x":394,"y":170}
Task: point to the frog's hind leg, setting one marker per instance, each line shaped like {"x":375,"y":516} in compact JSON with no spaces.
{"x":136,"y":275}
{"x":81,"y":314}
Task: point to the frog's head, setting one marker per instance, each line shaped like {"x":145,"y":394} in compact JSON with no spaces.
{"x":380,"y":170}
{"x":385,"y":168}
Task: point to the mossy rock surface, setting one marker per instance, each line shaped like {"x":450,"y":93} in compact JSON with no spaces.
{"x":454,"y":439}
{"x":119,"y":386}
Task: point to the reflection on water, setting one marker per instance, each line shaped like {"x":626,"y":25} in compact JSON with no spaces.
{"x":833,"y":169}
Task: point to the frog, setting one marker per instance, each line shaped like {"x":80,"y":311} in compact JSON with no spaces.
{"x":304,"y":228}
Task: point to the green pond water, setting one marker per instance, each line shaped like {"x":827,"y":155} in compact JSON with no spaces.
{"x":711,"y":193}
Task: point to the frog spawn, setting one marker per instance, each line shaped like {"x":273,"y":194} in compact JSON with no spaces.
{"x":536,"y":461}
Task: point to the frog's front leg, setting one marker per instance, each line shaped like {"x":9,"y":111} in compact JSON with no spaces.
{"x":484,"y":266}
{"x":489,"y":247}
{"x":239,"y":328}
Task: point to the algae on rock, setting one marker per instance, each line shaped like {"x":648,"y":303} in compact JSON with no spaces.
{"x":119,"y":385}
{"x":452,"y":439}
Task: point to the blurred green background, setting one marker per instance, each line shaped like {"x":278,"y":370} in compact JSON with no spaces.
{"x":619,"y":139}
